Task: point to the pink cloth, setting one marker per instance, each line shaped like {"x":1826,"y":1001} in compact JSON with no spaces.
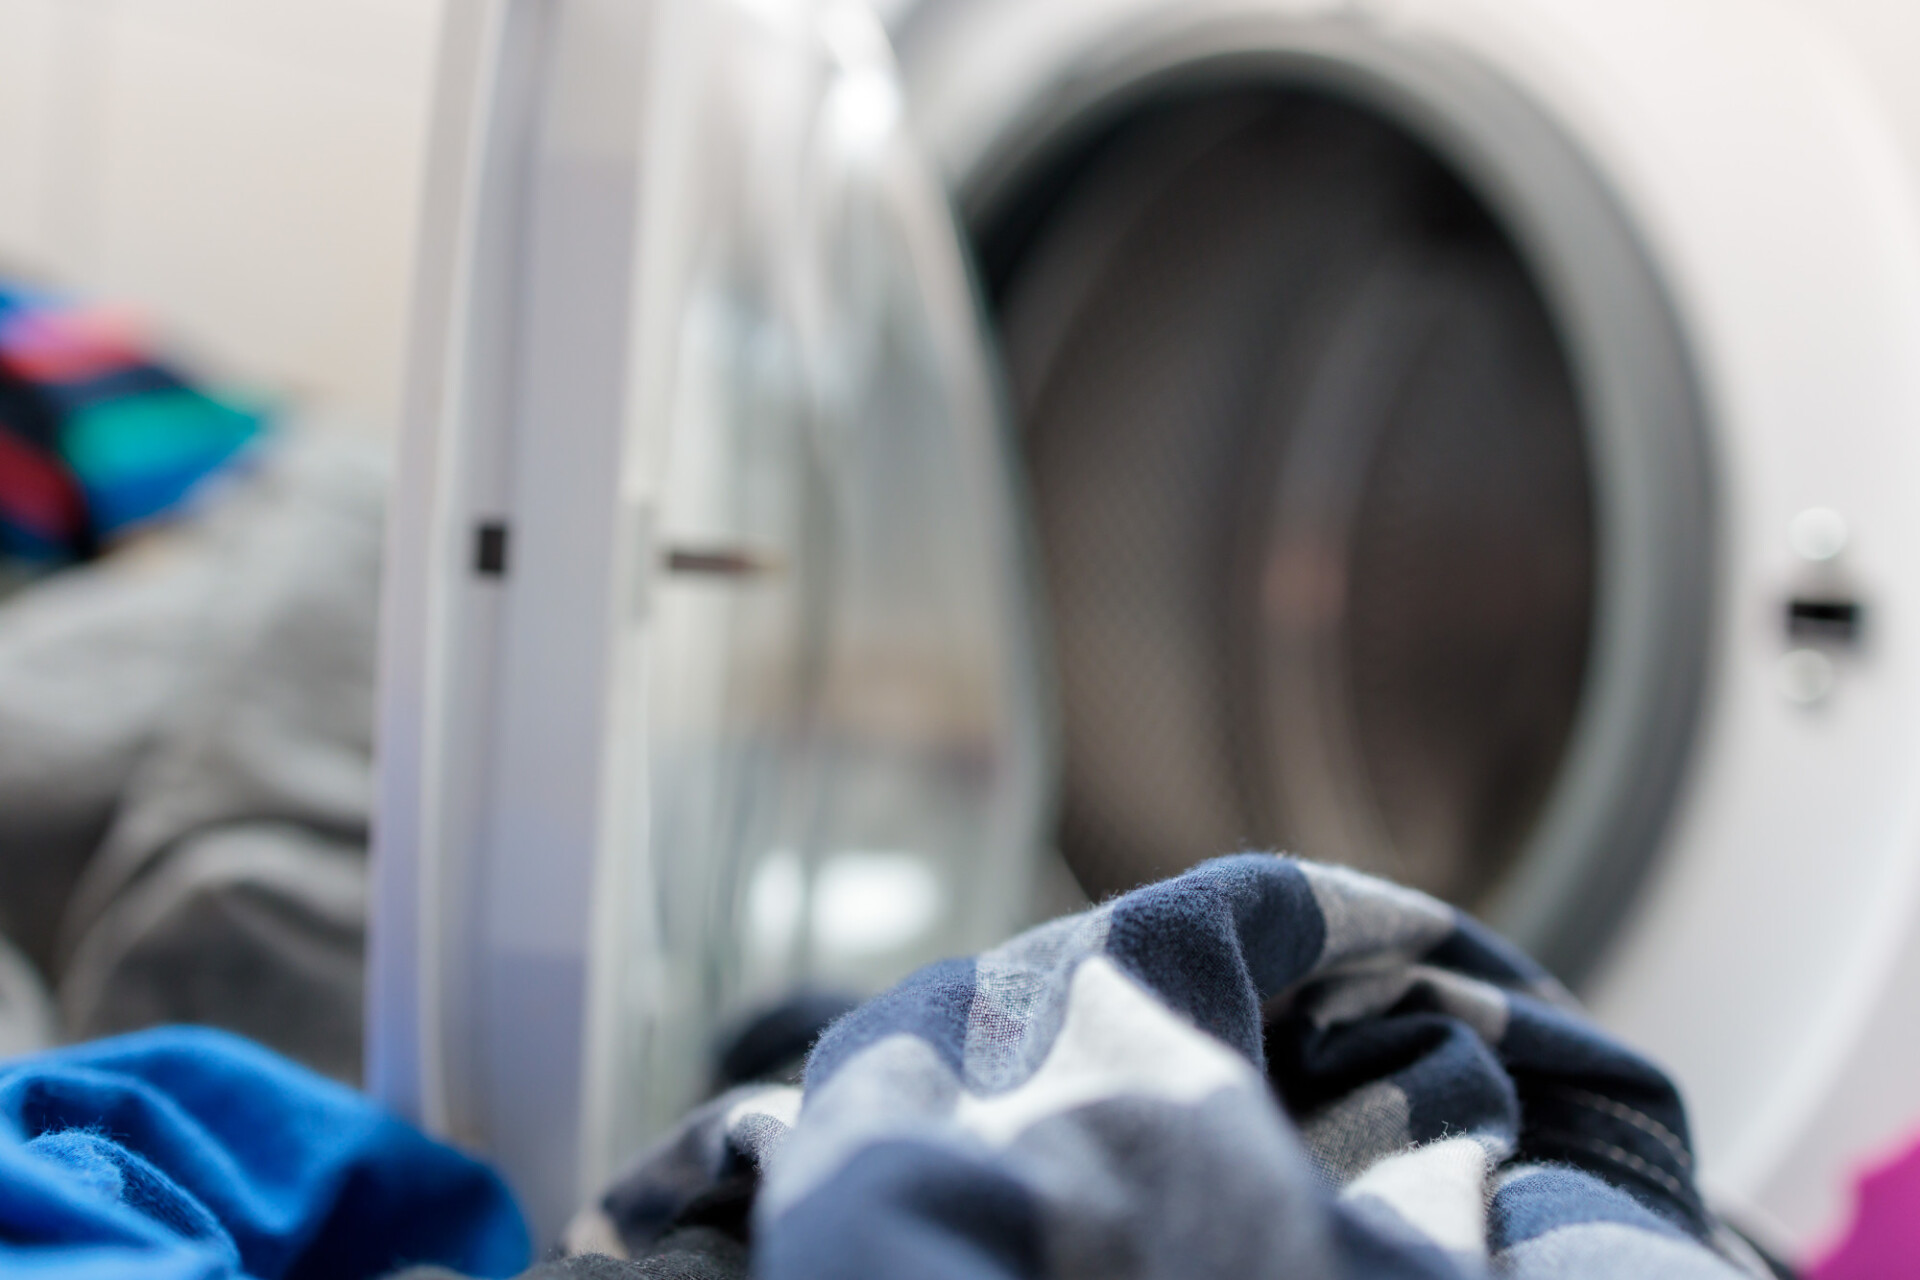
{"x":1884,"y":1241}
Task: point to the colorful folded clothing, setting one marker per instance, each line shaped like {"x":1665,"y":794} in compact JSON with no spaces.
{"x":1264,"y":1067}
{"x":98,"y":435}
{"x":190,"y":1154}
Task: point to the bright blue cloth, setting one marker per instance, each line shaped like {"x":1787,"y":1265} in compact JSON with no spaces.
{"x":189,"y":1153}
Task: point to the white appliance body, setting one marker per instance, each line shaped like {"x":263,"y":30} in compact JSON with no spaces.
{"x":1771,"y":958}
{"x":1770,"y":954}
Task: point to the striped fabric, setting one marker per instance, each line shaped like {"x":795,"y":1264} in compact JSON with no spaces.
{"x":1265,"y":1067}
{"x":97,"y":436}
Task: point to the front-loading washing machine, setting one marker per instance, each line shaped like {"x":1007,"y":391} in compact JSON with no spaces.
{"x":1463,"y":438}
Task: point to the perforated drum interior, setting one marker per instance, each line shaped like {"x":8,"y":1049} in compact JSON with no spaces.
{"x":1312,"y":492}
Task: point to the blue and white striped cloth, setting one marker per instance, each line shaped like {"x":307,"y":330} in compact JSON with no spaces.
{"x":1264,"y":1067}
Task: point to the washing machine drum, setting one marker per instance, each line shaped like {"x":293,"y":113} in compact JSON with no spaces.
{"x":1312,"y":496}
{"x":1327,"y":509}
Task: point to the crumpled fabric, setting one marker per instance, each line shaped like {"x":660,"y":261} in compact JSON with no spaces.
{"x":190,"y":1154}
{"x":1264,"y":1067}
{"x":99,"y":434}
{"x":230,"y":887}
{"x":1884,"y":1237}
{"x":186,"y":746}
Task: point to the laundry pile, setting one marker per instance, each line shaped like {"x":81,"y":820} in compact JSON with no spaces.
{"x":1264,"y":1067}
{"x":186,"y":699}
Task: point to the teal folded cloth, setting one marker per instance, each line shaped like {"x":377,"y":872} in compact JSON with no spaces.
{"x":99,"y":434}
{"x":190,"y":1154}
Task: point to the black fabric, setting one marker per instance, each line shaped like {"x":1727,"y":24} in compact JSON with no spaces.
{"x":694,"y":1253}
{"x":773,"y":1044}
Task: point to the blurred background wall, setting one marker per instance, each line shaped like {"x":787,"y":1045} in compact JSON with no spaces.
{"x":245,"y":170}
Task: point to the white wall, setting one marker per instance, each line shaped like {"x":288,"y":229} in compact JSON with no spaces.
{"x":1885,"y":37}
{"x":245,"y":170}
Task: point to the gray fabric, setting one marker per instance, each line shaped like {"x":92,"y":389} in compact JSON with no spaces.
{"x":1134,"y":1187}
{"x":693,"y":1253}
{"x":186,"y":763}
{"x":229,"y":889}
{"x":1347,"y":1137}
{"x":1606,"y":1251}
{"x":1017,"y":1007}
{"x":255,"y":927}
{"x":1374,"y":918}
{"x":90,"y":660}
{"x":26,"y":1010}
{"x":274,"y":718}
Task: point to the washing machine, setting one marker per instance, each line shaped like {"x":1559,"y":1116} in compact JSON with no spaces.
{"x":869,"y":478}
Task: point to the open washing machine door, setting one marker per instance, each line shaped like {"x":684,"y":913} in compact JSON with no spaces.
{"x":707,"y":672}
{"x":1475,"y":439}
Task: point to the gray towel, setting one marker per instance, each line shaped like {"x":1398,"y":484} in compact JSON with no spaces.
{"x":186,"y":764}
